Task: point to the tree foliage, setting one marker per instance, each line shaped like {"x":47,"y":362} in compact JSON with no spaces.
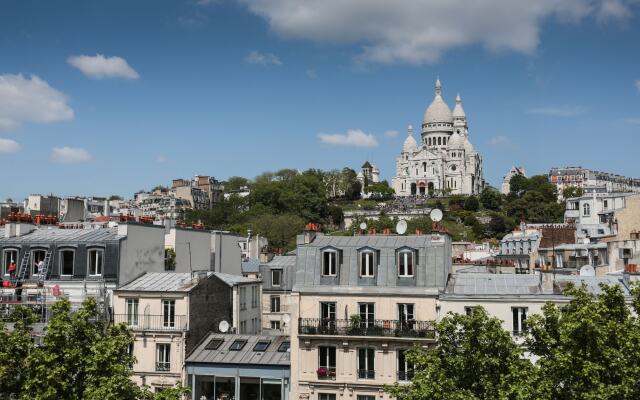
{"x":80,"y":358}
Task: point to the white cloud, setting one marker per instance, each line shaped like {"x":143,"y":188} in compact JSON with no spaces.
{"x":419,"y":31}
{"x":353,"y":137}
{"x":9,"y":146}
{"x":562,"y":111}
{"x":499,"y":141}
{"x":30,"y":99}
{"x":638,"y":85}
{"x":70,"y":155}
{"x":632,"y":121}
{"x":256,"y":57}
{"x":101,"y":67}
{"x":391,"y":134}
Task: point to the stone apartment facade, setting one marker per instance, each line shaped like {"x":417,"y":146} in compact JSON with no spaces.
{"x":277,"y":281}
{"x":358,"y":303}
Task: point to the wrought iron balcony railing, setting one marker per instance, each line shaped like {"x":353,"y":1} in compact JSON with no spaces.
{"x":366,"y":374}
{"x":141,"y":322}
{"x":163,"y":366}
{"x":378,"y":327}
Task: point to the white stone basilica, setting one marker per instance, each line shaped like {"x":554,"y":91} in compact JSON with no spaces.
{"x":444,"y":161}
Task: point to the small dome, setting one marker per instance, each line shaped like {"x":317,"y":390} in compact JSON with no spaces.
{"x":456,"y":141}
{"x":458,"y":111}
{"x":410,"y":145}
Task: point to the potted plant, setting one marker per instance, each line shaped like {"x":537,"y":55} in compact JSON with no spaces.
{"x":354,"y":324}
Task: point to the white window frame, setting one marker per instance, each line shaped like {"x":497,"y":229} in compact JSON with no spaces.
{"x":163,"y":356}
{"x":326,"y":363}
{"x":5,"y":264}
{"x":279,"y":273}
{"x":132,"y":307}
{"x":406,"y":270}
{"x":275,"y":300}
{"x":519,"y":316}
{"x":89,"y":259}
{"x":586,"y":210}
{"x":367,"y":263}
{"x":275,"y":325}
{"x":34,"y":268}
{"x":406,"y":312}
{"x":368,"y":311}
{"x":367,"y":359}
{"x":243,"y":298}
{"x":169,"y":313}
{"x":407,"y":366}
{"x":332,"y":268}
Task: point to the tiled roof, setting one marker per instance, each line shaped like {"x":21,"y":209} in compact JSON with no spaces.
{"x":245,"y":356}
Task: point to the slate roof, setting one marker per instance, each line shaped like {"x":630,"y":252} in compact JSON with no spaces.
{"x":232,"y":280}
{"x":51,"y":235}
{"x":246,"y":356}
{"x":493,"y":284}
{"x":162,"y":282}
{"x":376,"y":241}
{"x":592,"y":282}
{"x":282,"y":261}
{"x":250,"y":266}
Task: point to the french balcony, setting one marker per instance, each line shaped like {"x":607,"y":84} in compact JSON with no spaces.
{"x":141,"y":322}
{"x":378,"y":327}
{"x":163,"y":366}
{"x":366,"y":374}
{"x":326,"y":373}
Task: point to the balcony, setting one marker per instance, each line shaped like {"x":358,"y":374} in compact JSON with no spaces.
{"x":326,"y":373}
{"x":142,"y":322}
{"x":163,"y":366}
{"x":366,"y":374}
{"x":378,"y":327}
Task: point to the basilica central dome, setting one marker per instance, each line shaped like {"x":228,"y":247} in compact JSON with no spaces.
{"x":438,"y":110}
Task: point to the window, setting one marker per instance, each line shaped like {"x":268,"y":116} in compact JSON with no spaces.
{"x":276,"y":277}
{"x":214,"y":344}
{"x":605,"y":204}
{"x":254,"y":296}
{"x":262,"y":345}
{"x":468,"y":310}
{"x":168,"y":313}
{"x":366,"y":363}
{"x":37,"y":261}
{"x":326,"y":396}
{"x":365,"y":397}
{"x":327,"y":360}
{"x":132,"y":312}
{"x":243,"y":298}
{"x":275,"y":303}
{"x":519,"y":316}
{"x":237,"y":345}
{"x":367,"y":263}
{"x":405,"y":368}
{"x":66,"y":262}
{"x":9,"y":257}
{"x":367,"y":314}
{"x":130,"y":354}
{"x":284,"y":347}
{"x":275,"y":325}
{"x":243,"y":326}
{"x":405,"y":263}
{"x":586,"y":210}
{"x":254,"y":325}
{"x":329,"y":263}
{"x":163,"y":357}
{"x":96,"y":262}
{"x":328,"y":311}
{"x":406,"y":312}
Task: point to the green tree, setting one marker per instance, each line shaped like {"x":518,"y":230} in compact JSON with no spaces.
{"x":518,"y":184}
{"x":571,"y":191}
{"x":235,"y":183}
{"x":589,"y":348}
{"x":491,"y":199}
{"x":15,"y":346}
{"x":473,"y":358}
{"x":280,"y":230}
{"x":115,"y":197}
{"x":380,"y":190}
{"x":471,"y":203}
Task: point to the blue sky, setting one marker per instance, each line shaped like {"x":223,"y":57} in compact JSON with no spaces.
{"x":238,"y":87}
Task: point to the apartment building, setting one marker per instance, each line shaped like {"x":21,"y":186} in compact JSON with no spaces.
{"x":358,"y":304}
{"x":246,"y":295}
{"x":579,"y":177}
{"x":277,"y":281}
{"x":168,"y":314}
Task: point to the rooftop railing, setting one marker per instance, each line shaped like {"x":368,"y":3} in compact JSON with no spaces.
{"x":378,"y":327}
{"x":141,"y":322}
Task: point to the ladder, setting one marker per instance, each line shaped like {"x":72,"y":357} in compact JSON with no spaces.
{"x":24,"y":269}
{"x":42,"y":275}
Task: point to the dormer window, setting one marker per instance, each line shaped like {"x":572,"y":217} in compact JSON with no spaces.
{"x":367,"y":263}
{"x":330,"y":263}
{"x":405,"y":263}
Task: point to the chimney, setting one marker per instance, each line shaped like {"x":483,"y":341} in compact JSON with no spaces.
{"x":546,"y":280}
{"x":107,"y":210}
{"x":310,"y":232}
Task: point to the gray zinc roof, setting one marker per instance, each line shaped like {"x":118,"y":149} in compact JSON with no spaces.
{"x":233,"y":280}
{"x":376,"y":241}
{"x":493,"y":284}
{"x":592,"y":282}
{"x":52,"y":235}
{"x":245,"y":356}
{"x":282,"y":261}
{"x":250,"y":266}
{"x":162,"y":282}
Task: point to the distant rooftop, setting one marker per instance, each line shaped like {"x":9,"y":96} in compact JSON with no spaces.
{"x":162,"y":282}
{"x":215,"y":349}
{"x":232,"y":280}
{"x":54,"y":234}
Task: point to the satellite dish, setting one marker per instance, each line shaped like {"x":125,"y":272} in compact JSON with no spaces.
{"x":587,"y":270}
{"x":363,"y":226}
{"x":436,"y":215}
{"x":401,"y":227}
{"x":286,"y":318}
{"x":223,"y":326}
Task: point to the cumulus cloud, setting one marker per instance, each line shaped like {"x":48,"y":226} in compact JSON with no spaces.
{"x":499,"y":140}
{"x":255,"y":57}
{"x":391,"y":134}
{"x":70,"y":155}
{"x":30,"y":99}
{"x":353,"y":137}
{"x":101,"y":67}
{"x":562,"y":111}
{"x":9,"y":146}
{"x":419,"y":31}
